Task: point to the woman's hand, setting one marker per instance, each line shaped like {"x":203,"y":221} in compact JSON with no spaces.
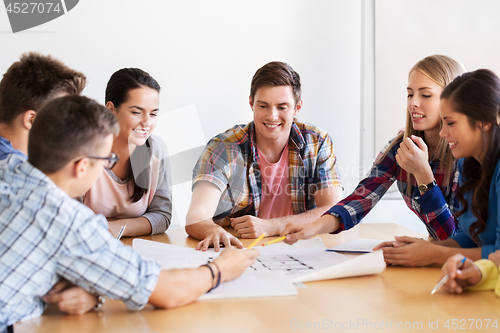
{"x":413,"y":157}
{"x":468,"y":275}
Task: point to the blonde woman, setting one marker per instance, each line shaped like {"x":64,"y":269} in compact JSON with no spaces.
{"x":418,"y":159}
{"x":470,"y":112}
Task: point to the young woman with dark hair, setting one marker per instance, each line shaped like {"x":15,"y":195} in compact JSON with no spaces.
{"x":470,"y":108}
{"x":136,"y":191}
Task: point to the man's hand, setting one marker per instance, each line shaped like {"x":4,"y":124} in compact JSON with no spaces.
{"x":216,"y":238}
{"x":467,"y":276}
{"x":233,"y":263}
{"x":249,"y":226}
{"x":70,"y":299}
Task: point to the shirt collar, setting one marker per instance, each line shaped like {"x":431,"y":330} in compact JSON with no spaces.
{"x":295,"y":137}
{"x":6,"y":149}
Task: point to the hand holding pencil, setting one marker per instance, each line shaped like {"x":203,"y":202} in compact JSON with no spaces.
{"x":459,"y":276}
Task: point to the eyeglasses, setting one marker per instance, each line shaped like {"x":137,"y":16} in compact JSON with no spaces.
{"x":109,"y":162}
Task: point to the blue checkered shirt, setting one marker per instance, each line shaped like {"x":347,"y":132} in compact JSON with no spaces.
{"x":45,"y":235}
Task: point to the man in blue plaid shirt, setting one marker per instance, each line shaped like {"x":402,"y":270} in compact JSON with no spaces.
{"x":46,"y":235}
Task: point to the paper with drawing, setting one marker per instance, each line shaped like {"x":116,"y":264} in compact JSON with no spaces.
{"x":276,"y":267}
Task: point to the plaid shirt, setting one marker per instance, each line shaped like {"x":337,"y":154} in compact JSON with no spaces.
{"x":435,"y":208}
{"x":231,"y":162}
{"x":45,"y":235}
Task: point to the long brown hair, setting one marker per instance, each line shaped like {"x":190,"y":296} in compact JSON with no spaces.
{"x":477,"y":95}
{"x":120,"y":83}
{"x":442,"y":70}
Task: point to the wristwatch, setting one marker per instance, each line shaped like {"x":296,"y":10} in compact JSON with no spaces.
{"x":100,"y":302}
{"x":426,"y":187}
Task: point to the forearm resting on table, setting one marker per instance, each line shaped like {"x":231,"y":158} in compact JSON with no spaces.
{"x":138,"y":226}
{"x":204,"y":202}
{"x":306,"y":217}
{"x":178,"y":287}
{"x":449,"y":247}
{"x":201,"y":230}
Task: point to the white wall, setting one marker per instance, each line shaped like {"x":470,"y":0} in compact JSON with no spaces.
{"x":353,"y":57}
{"x":407,"y":31}
{"x":204,"y":54}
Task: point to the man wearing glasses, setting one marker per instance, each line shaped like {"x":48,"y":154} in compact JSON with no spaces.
{"x":46,"y":235}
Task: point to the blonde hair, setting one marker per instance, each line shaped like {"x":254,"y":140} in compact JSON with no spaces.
{"x":442,"y":70}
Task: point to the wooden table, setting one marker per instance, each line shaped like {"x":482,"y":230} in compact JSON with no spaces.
{"x":397,"y":298}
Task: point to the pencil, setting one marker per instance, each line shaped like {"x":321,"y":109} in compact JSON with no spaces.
{"x":275,"y":241}
{"x":256,"y":241}
{"x":446,"y":278}
{"x":121,"y":231}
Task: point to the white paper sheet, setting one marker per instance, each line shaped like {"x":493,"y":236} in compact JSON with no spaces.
{"x":173,"y":256}
{"x":301,"y":258}
{"x":254,"y":284}
{"x":250,"y":284}
{"x":274,"y":270}
{"x":366,"y":264}
{"x":361,"y":245}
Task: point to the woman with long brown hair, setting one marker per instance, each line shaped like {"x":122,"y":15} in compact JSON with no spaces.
{"x":470,"y":110}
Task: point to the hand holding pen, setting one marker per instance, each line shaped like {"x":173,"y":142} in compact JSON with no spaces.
{"x":458,"y":272}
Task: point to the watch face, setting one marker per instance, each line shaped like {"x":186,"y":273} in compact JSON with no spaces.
{"x":422,"y":188}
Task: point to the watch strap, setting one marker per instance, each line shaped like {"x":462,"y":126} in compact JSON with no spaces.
{"x":426,"y":187}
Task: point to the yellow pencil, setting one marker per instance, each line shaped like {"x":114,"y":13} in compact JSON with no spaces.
{"x":275,"y":241}
{"x":256,"y":241}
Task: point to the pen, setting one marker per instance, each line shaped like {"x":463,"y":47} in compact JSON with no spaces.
{"x":274,"y":241}
{"x":256,"y":241}
{"x":446,"y":277}
{"x":121,"y":231}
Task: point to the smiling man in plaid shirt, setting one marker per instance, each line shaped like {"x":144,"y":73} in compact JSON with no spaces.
{"x":260,"y":176}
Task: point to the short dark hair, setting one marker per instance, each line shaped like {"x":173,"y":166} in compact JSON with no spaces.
{"x":68,"y":127}
{"x":276,"y":74}
{"x":32,"y":81}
